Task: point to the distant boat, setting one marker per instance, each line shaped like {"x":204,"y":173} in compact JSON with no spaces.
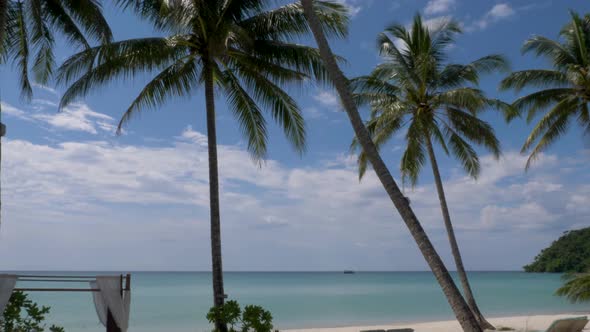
{"x":348,"y":272}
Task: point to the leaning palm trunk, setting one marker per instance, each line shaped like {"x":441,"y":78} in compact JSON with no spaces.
{"x":3,"y":13}
{"x":453,"y":241}
{"x":217,"y":268}
{"x":461,"y":309}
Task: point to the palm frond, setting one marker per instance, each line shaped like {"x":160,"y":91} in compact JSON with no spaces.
{"x":576,"y":289}
{"x":42,"y":40}
{"x":553,"y":50}
{"x":284,"y":110}
{"x":121,"y":59}
{"x":248,"y":113}
{"x":464,"y":152}
{"x":88,"y":15}
{"x":474,"y":129}
{"x":289,"y":22}
{"x":540,"y":78}
{"x":374,"y":91}
{"x":59,"y":19}
{"x":413,"y":158}
{"x":552,"y":126}
{"x":175,"y":81}
{"x":19,"y":46}
{"x":536,"y":101}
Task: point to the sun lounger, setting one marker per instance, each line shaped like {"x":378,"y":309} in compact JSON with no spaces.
{"x":574,"y":324}
{"x":391,"y":330}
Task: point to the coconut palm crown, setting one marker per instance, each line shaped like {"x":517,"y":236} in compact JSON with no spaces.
{"x":564,"y":90}
{"x":28,"y":27}
{"x":246,"y":47}
{"x":415,"y":88}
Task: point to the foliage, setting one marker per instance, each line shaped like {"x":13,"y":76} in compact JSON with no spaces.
{"x":23,"y":315}
{"x":30,"y":26}
{"x":576,"y":288}
{"x":252,"y":319}
{"x":565,"y":89}
{"x":416,"y":89}
{"x":247,"y":49}
{"x":569,"y":253}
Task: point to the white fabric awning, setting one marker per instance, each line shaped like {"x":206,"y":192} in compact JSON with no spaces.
{"x":109,"y":299}
{"x":7,"y":284}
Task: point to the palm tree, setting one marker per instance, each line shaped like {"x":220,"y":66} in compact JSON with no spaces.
{"x":239,"y":47}
{"x":415,"y":89}
{"x":462,"y":312}
{"x":28,"y":26}
{"x":565,"y":89}
{"x":576,"y":287}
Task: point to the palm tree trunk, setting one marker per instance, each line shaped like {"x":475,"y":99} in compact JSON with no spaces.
{"x":217,"y":268}
{"x":462,"y":312}
{"x":453,"y":240}
{"x":3,"y":14}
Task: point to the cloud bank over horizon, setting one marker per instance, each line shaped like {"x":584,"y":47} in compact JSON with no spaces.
{"x":105,"y":205}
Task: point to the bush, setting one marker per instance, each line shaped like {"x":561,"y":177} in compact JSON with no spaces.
{"x":253,"y":319}
{"x":23,"y":315}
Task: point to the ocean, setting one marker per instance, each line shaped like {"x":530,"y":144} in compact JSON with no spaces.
{"x":179,"y":301}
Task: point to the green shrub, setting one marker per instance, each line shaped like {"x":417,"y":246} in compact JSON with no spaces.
{"x":253,"y":319}
{"x":23,"y":315}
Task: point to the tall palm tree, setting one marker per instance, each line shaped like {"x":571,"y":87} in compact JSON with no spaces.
{"x":437,"y":102}
{"x":242,"y":48}
{"x":564,"y":90}
{"x":462,"y":312}
{"x":28,"y":26}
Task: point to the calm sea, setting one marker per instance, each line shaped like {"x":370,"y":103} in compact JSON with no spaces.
{"x":179,"y":301}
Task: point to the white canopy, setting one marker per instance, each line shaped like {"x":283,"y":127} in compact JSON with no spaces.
{"x":7,"y":283}
{"x":110,"y":296}
{"x":109,"y":299}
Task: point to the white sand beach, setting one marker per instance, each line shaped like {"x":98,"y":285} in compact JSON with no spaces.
{"x":519,"y":323}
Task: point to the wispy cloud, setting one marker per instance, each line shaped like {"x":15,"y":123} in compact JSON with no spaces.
{"x":436,"y":7}
{"x":497,"y":13}
{"x":327,"y":99}
{"x":354,"y":6}
{"x":75,"y":117}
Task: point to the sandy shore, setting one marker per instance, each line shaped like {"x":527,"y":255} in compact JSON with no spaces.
{"x":520,"y":323}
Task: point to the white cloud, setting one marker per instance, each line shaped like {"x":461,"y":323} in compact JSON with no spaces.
{"x":10,"y":110}
{"x":328,"y":99}
{"x":78,"y":117}
{"x":434,"y":7}
{"x":45,"y":88}
{"x":77,"y":192}
{"x":501,"y":10}
{"x":312,"y":112}
{"x":75,"y":117}
{"x":354,"y":6}
{"x":497,"y":13}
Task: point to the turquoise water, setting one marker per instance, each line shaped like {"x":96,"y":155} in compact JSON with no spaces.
{"x":179,"y":301}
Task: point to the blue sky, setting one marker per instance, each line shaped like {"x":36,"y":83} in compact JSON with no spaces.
{"x":75,"y":196}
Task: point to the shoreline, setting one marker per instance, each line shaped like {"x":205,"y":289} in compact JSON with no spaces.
{"x":519,"y":323}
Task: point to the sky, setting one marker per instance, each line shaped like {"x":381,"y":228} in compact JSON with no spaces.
{"x":75,"y":196}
